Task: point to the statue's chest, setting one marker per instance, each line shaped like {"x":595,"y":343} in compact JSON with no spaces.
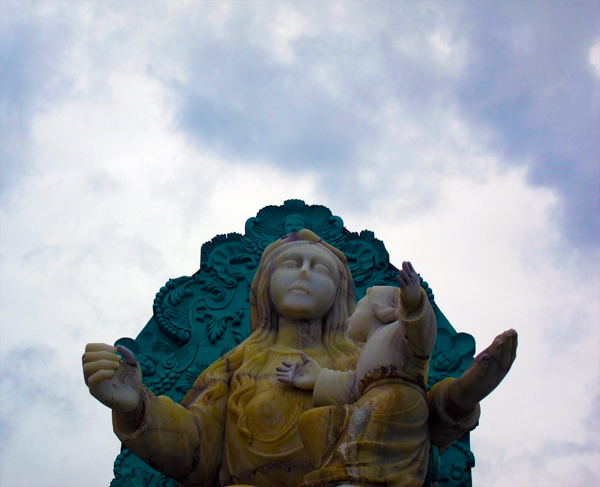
{"x":271,"y":409}
{"x":274,"y":408}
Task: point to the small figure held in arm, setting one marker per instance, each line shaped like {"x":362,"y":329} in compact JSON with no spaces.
{"x":385,"y":401}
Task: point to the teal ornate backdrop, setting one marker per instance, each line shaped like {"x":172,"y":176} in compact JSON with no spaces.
{"x":197,"y":319}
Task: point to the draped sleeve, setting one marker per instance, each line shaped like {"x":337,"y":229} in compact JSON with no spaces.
{"x":185,"y":441}
{"x":421,"y":329}
{"x":444,"y":428}
{"x":334,"y":387}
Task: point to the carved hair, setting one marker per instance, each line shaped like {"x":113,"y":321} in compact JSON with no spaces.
{"x":264,"y":316}
{"x":385,"y":302}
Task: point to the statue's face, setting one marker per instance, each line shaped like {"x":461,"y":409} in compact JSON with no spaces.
{"x":293,"y":223}
{"x":304,"y":282}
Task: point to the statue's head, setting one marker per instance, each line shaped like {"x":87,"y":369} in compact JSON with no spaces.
{"x":292,"y":223}
{"x":379,"y":307}
{"x":302,"y":277}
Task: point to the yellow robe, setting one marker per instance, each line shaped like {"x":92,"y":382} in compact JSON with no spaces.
{"x":238,"y":424}
{"x":383,"y":439}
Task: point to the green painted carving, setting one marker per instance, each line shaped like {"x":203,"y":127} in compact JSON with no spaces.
{"x":197,"y":319}
{"x":457,"y":462}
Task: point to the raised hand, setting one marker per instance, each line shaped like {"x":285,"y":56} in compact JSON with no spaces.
{"x":485,"y":373}
{"x":301,"y":375}
{"x":410,"y":287}
{"x":115,"y":382}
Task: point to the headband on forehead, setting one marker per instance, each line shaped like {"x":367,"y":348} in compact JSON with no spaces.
{"x":303,"y":236}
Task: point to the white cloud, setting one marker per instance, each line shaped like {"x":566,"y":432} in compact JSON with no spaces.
{"x":594,"y":58}
{"x":47,"y":421}
{"x":118,"y":199}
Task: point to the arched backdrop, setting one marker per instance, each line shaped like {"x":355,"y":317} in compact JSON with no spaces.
{"x":197,"y":319}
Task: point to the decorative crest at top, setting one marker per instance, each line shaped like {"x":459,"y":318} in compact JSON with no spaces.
{"x":273,"y":222}
{"x":238,"y":256}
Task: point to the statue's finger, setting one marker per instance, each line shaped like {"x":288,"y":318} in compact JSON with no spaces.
{"x":287,"y":363}
{"x":482,"y":364}
{"x":495,"y":348}
{"x":282,"y":370}
{"x":506,"y":350}
{"x":100,"y":347}
{"x":128,"y":356}
{"x":94,"y":356}
{"x":93,"y":367}
{"x":305,"y":358}
{"x":100,"y":376}
{"x":497,"y":356}
{"x":513,"y":348}
{"x":411,"y":270}
{"x":401,"y":282}
{"x":483,"y":357}
{"x":404,"y":276}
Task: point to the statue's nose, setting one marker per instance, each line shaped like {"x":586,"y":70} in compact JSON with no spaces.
{"x":304,"y":272}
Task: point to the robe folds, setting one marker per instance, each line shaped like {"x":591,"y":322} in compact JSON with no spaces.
{"x":238,"y":425}
{"x":383,"y":439}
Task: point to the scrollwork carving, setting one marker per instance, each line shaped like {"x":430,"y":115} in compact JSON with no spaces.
{"x":457,"y":462}
{"x":273,"y":222}
{"x":451,"y":356}
{"x":369,"y":262}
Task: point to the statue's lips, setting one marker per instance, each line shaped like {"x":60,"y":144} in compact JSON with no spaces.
{"x":303,"y":289}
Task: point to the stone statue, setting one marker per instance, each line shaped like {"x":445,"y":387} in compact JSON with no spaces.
{"x":238,"y":425}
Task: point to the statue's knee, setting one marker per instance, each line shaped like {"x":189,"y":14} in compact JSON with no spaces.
{"x":318,"y":428}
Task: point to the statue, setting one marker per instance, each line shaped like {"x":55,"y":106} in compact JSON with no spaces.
{"x":238,"y":425}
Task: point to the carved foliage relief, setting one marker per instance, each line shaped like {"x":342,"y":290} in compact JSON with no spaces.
{"x":197,"y":319}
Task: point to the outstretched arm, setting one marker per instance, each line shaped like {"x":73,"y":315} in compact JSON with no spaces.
{"x":183,"y":442}
{"x":485,"y":373}
{"x":454,"y":403}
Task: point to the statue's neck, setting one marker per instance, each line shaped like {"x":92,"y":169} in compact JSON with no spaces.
{"x":300,"y":334}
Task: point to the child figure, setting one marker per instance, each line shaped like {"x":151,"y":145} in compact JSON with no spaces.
{"x":377,"y":422}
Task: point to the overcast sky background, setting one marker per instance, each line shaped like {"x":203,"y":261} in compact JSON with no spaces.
{"x":464,"y":134}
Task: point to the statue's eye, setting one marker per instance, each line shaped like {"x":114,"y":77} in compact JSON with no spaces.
{"x":322,"y":269}
{"x":290,"y":264}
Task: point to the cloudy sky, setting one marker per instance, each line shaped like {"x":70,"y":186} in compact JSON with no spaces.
{"x":464,"y":134}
